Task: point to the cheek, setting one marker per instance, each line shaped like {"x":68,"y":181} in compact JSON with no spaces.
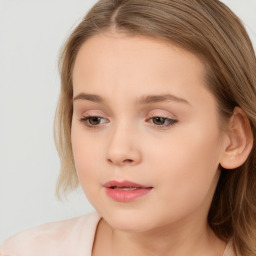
{"x":85,"y":153}
{"x":188,"y":148}
{"x":187,"y":167}
{"x":187,"y":163}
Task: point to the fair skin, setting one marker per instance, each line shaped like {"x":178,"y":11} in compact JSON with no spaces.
{"x":179,"y":162}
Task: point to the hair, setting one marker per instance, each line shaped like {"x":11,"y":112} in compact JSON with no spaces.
{"x":211,"y":31}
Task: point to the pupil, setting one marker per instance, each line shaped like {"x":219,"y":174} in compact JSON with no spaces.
{"x":94,"y":120}
{"x":159,"y":120}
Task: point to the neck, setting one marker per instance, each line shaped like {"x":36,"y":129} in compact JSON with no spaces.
{"x":178,"y":240}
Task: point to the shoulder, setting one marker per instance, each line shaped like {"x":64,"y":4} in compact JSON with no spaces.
{"x":55,"y":238}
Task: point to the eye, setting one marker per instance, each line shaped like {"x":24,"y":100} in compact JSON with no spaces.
{"x":162,"y":121}
{"x":97,"y":121}
{"x":92,"y":121}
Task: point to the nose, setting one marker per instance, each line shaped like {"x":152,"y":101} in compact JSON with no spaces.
{"x":123,"y":148}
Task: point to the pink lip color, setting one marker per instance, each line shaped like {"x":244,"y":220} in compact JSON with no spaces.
{"x":114,"y":190}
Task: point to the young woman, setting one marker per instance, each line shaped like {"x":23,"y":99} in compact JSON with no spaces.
{"x":157,"y":122}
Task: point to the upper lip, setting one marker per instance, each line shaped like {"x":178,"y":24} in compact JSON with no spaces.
{"x":124,"y":184}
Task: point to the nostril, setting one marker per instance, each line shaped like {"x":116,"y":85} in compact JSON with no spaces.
{"x":128,"y":160}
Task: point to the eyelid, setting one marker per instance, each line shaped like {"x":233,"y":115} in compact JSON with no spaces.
{"x":162,"y":113}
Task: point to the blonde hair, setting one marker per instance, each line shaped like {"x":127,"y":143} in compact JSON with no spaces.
{"x":215,"y":34}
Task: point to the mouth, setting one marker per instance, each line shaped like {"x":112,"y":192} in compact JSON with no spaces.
{"x":125,"y":191}
{"x":124,"y":188}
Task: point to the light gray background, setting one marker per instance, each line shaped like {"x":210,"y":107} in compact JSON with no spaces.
{"x":31,"y":34}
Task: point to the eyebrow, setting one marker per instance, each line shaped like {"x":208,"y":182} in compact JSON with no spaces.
{"x":145,"y":99}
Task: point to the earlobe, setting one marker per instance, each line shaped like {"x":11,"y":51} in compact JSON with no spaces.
{"x":240,"y":140}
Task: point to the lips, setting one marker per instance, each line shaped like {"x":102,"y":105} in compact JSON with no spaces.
{"x":125,"y":191}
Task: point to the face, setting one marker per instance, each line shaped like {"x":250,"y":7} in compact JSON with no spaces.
{"x":145,"y":132}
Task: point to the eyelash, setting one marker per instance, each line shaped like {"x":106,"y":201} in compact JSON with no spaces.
{"x":171,"y":122}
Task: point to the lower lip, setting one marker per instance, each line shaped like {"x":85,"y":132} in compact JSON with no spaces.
{"x":126,"y":195}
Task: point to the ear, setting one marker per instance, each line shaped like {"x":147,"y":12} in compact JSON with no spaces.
{"x":240,"y":140}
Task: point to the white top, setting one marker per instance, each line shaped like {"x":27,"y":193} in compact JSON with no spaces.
{"x":72,"y":237}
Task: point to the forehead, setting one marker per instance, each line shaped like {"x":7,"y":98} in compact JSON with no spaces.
{"x":109,"y":62}
{"x":106,"y":51}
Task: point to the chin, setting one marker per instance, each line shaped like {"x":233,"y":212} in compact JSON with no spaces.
{"x":129,"y":220}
